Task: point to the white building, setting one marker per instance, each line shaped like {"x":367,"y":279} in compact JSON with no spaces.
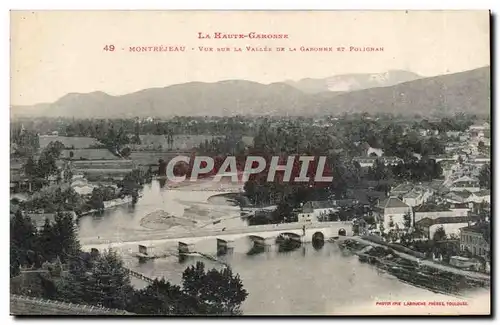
{"x":393,"y":211}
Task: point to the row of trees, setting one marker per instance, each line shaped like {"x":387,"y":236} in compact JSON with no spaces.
{"x":101,"y":279}
{"x":411,"y":170}
{"x":31,"y":248}
{"x":460,"y":122}
{"x":52,"y":201}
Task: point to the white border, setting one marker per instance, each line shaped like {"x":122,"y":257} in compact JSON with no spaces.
{"x":190,"y":4}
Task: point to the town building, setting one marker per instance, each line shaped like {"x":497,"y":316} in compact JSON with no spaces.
{"x":392,"y":212}
{"x":317,"y":210}
{"x":465,"y":183}
{"x":417,"y":196}
{"x":451,"y":225}
{"x":476,"y":239}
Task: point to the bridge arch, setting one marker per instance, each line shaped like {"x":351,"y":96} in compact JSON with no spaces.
{"x":318,"y":237}
{"x":342,"y":232}
{"x":288,"y":236}
{"x":318,"y":240}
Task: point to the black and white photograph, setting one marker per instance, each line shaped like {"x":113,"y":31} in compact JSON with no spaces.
{"x":250,"y":163}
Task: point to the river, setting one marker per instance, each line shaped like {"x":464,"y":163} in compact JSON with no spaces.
{"x":306,"y":280}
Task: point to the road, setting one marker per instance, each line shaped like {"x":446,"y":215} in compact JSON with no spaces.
{"x":428,"y":263}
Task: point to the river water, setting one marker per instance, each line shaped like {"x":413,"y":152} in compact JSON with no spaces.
{"x":306,"y":280}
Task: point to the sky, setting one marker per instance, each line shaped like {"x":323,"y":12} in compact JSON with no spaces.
{"x":58,"y":52}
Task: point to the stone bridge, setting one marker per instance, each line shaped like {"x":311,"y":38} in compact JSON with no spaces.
{"x":266,"y":235}
{"x":222,"y":237}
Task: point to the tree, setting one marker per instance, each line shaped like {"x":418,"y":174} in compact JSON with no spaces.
{"x":440,"y":234}
{"x":214,"y":291}
{"x":100,"y":281}
{"x":485,"y":176}
{"x":23,"y":238}
{"x":110,"y":280}
{"x":160,"y":298}
{"x":480,"y":146}
{"x":65,"y":238}
{"x":48,"y":241}
{"x":381,"y":227}
{"x":47,"y":161}
{"x":15,"y":261}
{"x":31,"y":168}
{"x":379,"y":171}
{"x":407,"y":220}
{"x":125,"y":152}
{"x":283,"y":212}
{"x":97,"y":199}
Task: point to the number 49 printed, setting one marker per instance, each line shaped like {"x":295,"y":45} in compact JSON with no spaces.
{"x":109,"y":48}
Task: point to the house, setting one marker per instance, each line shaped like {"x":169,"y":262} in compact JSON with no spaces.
{"x":452,"y":158}
{"x":366,"y":197}
{"x":99,"y":169}
{"x":432,"y":215}
{"x":465,"y":183}
{"x":417,"y":196}
{"x":391,"y":161}
{"x":305,"y":217}
{"x":392,"y":211}
{"x":481,"y":159}
{"x":435,"y":186}
{"x":457,"y":197}
{"x":453,"y":134}
{"x":317,"y":209}
{"x":480,"y":196}
{"x":480,"y":127}
{"x":451,"y":225}
{"x":476,"y":239}
{"x":365,"y":162}
{"x":401,"y":189}
{"x":81,"y":185}
{"x":374,"y":152}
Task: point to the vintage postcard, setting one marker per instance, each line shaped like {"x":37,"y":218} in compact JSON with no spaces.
{"x":250,"y":163}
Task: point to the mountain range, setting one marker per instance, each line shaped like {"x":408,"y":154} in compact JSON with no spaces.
{"x":397,"y":92}
{"x":350,"y":82}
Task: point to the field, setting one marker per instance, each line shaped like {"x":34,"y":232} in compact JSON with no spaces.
{"x":181,"y":142}
{"x":144,"y":158}
{"x":89,"y":154}
{"x":69,"y":142}
{"x":148,"y":141}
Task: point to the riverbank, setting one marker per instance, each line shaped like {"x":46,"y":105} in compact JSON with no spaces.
{"x":162,"y":220}
{"x":109,"y":205}
{"x":426,"y":274}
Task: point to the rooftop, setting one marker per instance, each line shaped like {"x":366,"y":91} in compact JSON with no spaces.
{"x":406,"y":187}
{"x":393,"y":202}
{"x":480,"y":228}
{"x":482,"y":193}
